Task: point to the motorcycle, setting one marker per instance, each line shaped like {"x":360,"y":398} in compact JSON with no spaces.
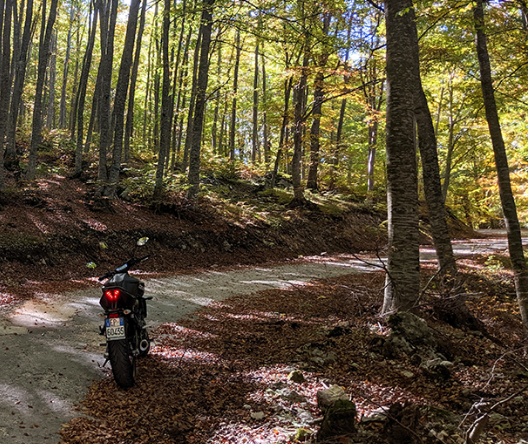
{"x":125,"y":329}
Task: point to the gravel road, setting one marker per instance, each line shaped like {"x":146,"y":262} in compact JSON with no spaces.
{"x":50,"y":349}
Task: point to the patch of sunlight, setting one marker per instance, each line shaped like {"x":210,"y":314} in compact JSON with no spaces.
{"x":95,"y":225}
{"x":14,"y":397}
{"x":42,"y":227}
{"x":55,"y":403}
{"x":185,"y":355}
{"x":41,"y":311}
{"x":170,"y":328}
{"x":274,"y":284}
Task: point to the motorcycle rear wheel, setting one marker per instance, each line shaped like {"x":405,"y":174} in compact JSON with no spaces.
{"x":123,"y":363}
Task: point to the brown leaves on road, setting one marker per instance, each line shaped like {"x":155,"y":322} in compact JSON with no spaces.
{"x":222,"y":375}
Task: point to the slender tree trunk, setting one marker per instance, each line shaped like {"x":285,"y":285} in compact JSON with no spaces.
{"x":433,"y":185}
{"x":83,"y":83}
{"x":44,"y":49}
{"x":5,"y":77}
{"x":11,"y":159}
{"x":232,"y":126}
{"x":216,"y":114}
{"x":165,"y":106}
{"x":50,"y":121}
{"x":403,"y":269}
{"x":254,"y":139}
{"x":62,"y":109}
{"x":120,"y":97}
{"x":189,"y":134}
{"x":501,"y":162}
{"x":265,"y":135}
{"x":129,"y":128}
{"x":288,"y":85}
{"x":203,"y":76}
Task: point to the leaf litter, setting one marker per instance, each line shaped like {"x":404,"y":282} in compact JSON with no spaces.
{"x":221,"y":376}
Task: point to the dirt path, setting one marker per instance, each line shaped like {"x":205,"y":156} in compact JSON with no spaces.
{"x":50,"y":349}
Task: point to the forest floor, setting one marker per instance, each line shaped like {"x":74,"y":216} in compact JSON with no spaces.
{"x":221,"y":375}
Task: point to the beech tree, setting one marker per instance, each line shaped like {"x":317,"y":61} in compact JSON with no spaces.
{"x":501,"y":163}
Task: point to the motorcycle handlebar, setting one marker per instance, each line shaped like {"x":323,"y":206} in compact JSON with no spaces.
{"x":123,"y":268}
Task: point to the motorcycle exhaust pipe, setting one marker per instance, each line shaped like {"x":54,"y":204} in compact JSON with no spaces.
{"x":144,"y":345}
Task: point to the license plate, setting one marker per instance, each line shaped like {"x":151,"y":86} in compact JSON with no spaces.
{"x":115,"y":329}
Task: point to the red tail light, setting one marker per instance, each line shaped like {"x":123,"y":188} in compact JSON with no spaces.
{"x":113,"y":315}
{"x":112,"y":295}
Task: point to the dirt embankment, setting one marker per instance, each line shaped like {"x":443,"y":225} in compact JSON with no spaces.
{"x":50,"y":233}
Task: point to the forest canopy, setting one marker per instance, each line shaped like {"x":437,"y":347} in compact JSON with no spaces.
{"x":174,"y":92}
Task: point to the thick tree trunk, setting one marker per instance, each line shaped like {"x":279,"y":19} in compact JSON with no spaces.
{"x":44,"y":50}
{"x":108,"y":21}
{"x":201,"y":90}
{"x":501,"y":162}
{"x":403,"y":269}
{"x":120,"y":97}
{"x":232,"y":125}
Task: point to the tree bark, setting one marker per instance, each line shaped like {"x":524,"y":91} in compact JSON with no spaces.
{"x":62,"y":109}
{"x":11,"y":159}
{"x":316,"y":112}
{"x":120,"y":98}
{"x":165,"y":123}
{"x":50,"y":120}
{"x":254,"y":139}
{"x":403,"y":268}
{"x":44,"y":49}
{"x":501,"y":162}
{"x":201,"y":90}
{"x":83,"y":83}
{"x":232,"y":125}
{"x":5,"y":86}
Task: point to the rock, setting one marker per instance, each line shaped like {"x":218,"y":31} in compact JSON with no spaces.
{"x":257,"y":415}
{"x":339,"y":419}
{"x":413,"y":328}
{"x":293,"y":397}
{"x":407,"y":374}
{"x":327,"y":398}
{"x":378,"y":415}
{"x":436,"y":368}
{"x":296,"y":376}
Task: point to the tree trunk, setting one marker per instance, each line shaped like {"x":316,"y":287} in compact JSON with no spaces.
{"x":316,"y":112}
{"x":166,"y":118}
{"x":254,"y":139}
{"x":403,"y":269}
{"x":232,"y":125}
{"x":288,"y":85}
{"x":62,"y":109}
{"x":50,"y":121}
{"x":120,"y":97}
{"x":5,"y":77}
{"x":11,"y":159}
{"x":83,"y":83}
{"x":265,"y":136}
{"x":501,"y":162}
{"x":129,"y":127}
{"x":108,"y":21}
{"x":44,"y":50}
{"x":299,"y":121}
{"x":189,"y":134}
{"x":201,"y":90}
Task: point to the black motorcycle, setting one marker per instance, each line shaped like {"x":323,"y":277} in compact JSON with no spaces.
{"x":125,"y":329}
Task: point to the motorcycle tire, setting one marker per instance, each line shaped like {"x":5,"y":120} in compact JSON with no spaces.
{"x":123,"y":364}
